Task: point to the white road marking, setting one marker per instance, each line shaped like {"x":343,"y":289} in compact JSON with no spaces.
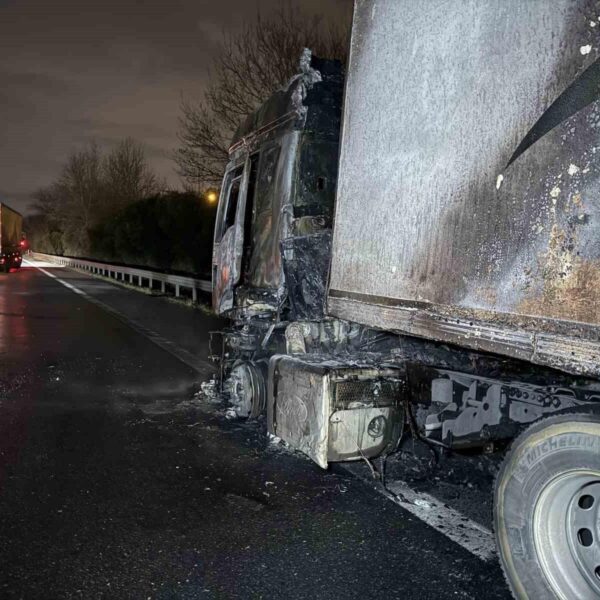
{"x":472,"y":536}
{"x":206,"y":369}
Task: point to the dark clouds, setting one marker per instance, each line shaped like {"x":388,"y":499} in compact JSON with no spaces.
{"x":76,"y":70}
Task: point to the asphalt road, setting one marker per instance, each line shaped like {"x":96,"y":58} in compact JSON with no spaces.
{"x":117,"y":482}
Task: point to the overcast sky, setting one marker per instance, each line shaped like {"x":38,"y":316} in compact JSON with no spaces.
{"x":76,"y":70}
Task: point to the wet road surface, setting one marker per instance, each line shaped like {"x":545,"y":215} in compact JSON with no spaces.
{"x":117,"y":482}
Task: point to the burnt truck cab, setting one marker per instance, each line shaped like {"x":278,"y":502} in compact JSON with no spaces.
{"x":279,"y":186}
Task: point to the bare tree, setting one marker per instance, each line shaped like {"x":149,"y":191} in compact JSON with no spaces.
{"x":47,"y":202}
{"x":90,"y":188}
{"x":80,"y":192}
{"x":127,"y":177}
{"x":44,"y":227}
{"x":251,"y":65}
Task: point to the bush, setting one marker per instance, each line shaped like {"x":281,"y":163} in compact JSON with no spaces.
{"x":42,"y":235}
{"x":172,"y":231}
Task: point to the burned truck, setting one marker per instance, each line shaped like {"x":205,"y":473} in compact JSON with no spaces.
{"x":424,"y":260}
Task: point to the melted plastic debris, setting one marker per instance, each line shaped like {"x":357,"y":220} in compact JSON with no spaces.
{"x":208,"y":391}
{"x":307,"y":77}
{"x":273,"y":439}
{"x":422,"y":503}
{"x":231,"y":414}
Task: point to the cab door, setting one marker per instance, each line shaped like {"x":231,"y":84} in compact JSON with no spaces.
{"x":228,"y":248}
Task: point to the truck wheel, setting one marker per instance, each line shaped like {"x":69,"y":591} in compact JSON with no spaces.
{"x":547,"y":510}
{"x":246,"y":387}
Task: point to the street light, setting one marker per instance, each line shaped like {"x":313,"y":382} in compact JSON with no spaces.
{"x":211,"y":197}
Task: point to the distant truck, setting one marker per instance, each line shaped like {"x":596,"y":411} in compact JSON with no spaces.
{"x":11,"y":235}
{"x":434,"y":271}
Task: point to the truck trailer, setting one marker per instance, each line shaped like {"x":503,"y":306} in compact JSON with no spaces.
{"x":11,"y":223}
{"x":414,"y":249}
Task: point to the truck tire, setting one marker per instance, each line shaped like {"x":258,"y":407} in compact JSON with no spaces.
{"x":547,"y":510}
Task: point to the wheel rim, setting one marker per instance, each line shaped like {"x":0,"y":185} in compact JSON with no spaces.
{"x":247,"y":391}
{"x":566,"y":528}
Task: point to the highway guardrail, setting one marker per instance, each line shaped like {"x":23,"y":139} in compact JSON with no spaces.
{"x":133,"y":274}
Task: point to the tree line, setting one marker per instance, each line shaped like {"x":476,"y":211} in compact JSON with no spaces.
{"x":91,"y":187}
{"x":111,"y":206}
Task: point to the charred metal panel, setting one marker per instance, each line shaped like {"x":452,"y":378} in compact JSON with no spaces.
{"x":323,"y":102}
{"x":292,"y":102}
{"x":317,"y":178}
{"x":467,"y":202}
{"x":306,"y":263}
{"x":229,"y":238}
{"x":298,"y":406}
{"x":273,"y":212}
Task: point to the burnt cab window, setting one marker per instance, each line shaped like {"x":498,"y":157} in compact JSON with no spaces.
{"x":230,"y":203}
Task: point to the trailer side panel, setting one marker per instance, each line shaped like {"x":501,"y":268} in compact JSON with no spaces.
{"x":468,"y":203}
{"x":10,"y":228}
